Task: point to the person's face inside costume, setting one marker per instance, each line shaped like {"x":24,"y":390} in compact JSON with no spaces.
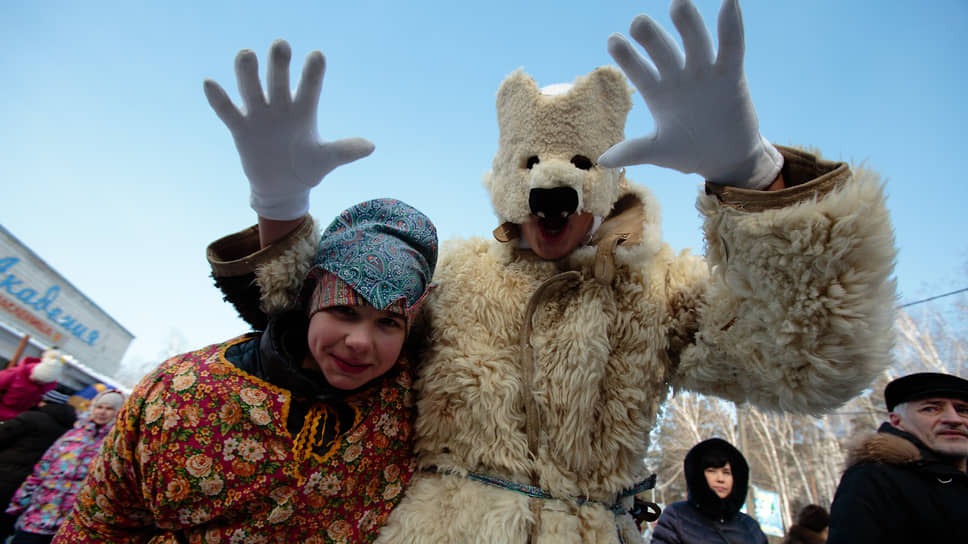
{"x":103,"y":413}
{"x":554,"y":238}
{"x":720,"y":480}
{"x":355,"y":344}
{"x":940,"y":423}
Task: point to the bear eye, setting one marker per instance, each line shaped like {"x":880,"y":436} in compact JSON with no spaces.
{"x":532,"y":160}
{"x":582,"y":162}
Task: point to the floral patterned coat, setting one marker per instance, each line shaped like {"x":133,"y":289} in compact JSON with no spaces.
{"x":46,"y":497}
{"x":201,"y":454}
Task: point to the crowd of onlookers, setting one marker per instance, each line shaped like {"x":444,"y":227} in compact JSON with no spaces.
{"x":905,"y":483}
{"x":46,"y":447}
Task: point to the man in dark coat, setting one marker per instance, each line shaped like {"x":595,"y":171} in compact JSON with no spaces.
{"x":907,"y":482}
{"x":23,"y":441}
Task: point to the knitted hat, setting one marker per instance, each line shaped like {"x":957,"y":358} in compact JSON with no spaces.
{"x":382,"y":251}
{"x":111,"y":397}
{"x":924,"y":385}
{"x":813,"y":517}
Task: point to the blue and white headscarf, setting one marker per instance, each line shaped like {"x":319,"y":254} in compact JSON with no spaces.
{"x":383,"y":249}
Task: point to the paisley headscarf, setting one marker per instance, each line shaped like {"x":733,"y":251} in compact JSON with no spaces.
{"x":381,"y":251}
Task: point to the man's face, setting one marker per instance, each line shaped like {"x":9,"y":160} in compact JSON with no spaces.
{"x":553,"y":239}
{"x":940,"y":423}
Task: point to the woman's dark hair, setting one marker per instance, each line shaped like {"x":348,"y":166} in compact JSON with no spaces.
{"x":713,"y":458}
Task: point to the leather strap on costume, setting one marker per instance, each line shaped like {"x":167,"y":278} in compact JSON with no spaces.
{"x":623,"y":225}
{"x":532,"y":421}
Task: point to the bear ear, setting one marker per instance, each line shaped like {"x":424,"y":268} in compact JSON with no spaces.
{"x":609,"y":83}
{"x":516,"y":98}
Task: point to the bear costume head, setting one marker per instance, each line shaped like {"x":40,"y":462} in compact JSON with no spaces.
{"x":549,"y":142}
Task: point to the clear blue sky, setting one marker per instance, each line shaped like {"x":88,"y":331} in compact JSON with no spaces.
{"x":117,"y":173}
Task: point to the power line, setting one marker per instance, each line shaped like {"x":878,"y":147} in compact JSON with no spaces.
{"x":905,"y":305}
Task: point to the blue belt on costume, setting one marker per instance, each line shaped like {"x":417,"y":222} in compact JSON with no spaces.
{"x":536,"y":492}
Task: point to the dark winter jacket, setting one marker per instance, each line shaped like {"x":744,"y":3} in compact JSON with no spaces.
{"x":24,"y":439}
{"x":801,"y":535}
{"x":897,"y":490}
{"x":704,"y":517}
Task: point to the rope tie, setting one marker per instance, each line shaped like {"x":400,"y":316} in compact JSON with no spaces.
{"x":536,"y":492}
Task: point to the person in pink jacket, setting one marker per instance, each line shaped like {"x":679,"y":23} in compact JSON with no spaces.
{"x":23,"y":386}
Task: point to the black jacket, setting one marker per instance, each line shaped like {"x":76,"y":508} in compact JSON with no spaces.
{"x":897,"y":490}
{"x":23,"y":441}
{"x":704,"y":517}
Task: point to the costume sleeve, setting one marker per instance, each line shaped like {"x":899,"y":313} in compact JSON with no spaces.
{"x":865,"y":507}
{"x":667,"y":528}
{"x":110,"y":506}
{"x":798,"y":310}
{"x":261,"y":281}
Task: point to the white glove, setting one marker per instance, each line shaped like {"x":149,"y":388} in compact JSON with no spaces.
{"x":704,"y":117}
{"x":281,"y":152}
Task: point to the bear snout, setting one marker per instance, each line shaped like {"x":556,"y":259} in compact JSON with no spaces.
{"x":554,"y":203}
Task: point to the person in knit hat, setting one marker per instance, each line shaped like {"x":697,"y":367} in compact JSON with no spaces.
{"x":47,"y":496}
{"x":297,"y":433}
{"x":811,"y":526}
{"x":300,"y":431}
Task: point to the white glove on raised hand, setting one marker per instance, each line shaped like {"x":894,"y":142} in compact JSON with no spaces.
{"x":704,"y":117}
{"x":281,"y":152}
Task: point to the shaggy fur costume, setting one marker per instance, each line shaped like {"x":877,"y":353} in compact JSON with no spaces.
{"x":551,"y":374}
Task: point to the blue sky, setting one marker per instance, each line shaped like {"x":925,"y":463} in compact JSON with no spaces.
{"x":117,"y":173}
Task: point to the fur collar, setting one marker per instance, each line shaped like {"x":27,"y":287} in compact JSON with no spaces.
{"x":887,"y":445}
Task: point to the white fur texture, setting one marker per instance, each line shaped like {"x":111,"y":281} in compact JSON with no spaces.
{"x":280,"y":280}
{"x":792,"y":310}
{"x":585,"y":120}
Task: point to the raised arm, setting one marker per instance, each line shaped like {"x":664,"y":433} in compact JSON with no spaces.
{"x":705,"y":121}
{"x":282,"y":154}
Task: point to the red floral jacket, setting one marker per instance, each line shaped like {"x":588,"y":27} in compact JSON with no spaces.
{"x":201,"y":454}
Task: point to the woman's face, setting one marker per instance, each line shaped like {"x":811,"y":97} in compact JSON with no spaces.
{"x":103,"y":413}
{"x":354,"y":345}
{"x":720,"y":480}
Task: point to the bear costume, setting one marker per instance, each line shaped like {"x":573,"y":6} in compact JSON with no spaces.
{"x":541,"y":379}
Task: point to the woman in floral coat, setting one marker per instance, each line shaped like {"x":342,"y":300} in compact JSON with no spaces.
{"x":300,"y":433}
{"x":46,"y":497}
